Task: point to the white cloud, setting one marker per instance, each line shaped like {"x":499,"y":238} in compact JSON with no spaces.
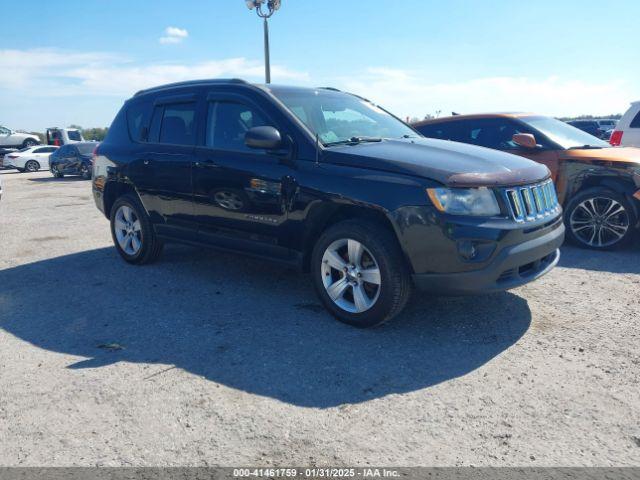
{"x":173,"y":35}
{"x":57,"y":73}
{"x":409,"y":94}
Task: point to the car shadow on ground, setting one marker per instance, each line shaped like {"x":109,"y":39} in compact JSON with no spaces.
{"x":249,"y":325}
{"x":625,"y":260}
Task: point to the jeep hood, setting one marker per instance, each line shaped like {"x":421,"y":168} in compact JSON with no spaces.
{"x":450,"y":163}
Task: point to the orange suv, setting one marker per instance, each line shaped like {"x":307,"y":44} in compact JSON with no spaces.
{"x":598,"y":185}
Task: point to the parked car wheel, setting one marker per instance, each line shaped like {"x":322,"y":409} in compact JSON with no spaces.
{"x":55,"y":171}
{"x":32,"y":166}
{"x":29,"y":142}
{"x":600,"y":219}
{"x":132,"y":232}
{"x":360,"y":273}
{"x":85,"y":172}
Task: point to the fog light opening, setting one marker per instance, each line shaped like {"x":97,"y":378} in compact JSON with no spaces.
{"x":467,"y":249}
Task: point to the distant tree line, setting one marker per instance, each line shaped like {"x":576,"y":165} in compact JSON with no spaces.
{"x":616,"y":116}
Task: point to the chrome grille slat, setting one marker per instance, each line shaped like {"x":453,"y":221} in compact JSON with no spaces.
{"x":531,"y":202}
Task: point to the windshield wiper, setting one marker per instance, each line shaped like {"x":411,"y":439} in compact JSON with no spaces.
{"x":354,"y":141}
{"x":586,"y":147}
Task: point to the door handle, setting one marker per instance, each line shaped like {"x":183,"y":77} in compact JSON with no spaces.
{"x":208,"y":163}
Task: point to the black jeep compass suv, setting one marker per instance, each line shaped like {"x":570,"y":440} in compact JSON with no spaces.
{"x":328,"y":182}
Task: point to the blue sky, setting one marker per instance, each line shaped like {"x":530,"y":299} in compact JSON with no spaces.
{"x":76,"y":62}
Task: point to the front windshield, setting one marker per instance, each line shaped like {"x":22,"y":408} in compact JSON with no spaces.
{"x":339,"y":117}
{"x":565,"y":135}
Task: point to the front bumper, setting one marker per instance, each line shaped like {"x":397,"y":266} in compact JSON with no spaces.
{"x":506,"y":254}
{"x":513,"y":266}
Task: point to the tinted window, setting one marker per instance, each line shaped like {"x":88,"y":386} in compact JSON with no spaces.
{"x":443,"y":131}
{"x":44,"y":150}
{"x":137,"y":118}
{"x":496,"y":133}
{"x":66,"y":151}
{"x":178,"y":125}
{"x":228,"y":123}
{"x":635,"y":123}
{"x":4,"y":131}
{"x":86,"y":148}
{"x":74,"y":135}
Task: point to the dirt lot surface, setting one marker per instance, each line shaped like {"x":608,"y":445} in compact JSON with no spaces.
{"x":212,"y":359}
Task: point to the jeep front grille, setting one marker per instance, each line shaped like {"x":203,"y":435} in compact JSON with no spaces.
{"x":531,"y":202}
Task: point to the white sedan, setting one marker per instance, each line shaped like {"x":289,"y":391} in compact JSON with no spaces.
{"x":30,"y":159}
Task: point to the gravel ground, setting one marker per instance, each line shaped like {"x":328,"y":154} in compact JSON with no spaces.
{"x":213,"y":359}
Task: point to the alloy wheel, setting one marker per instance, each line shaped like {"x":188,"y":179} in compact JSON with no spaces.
{"x":128,"y":230}
{"x":599,"y":222}
{"x":351,"y":275}
{"x":228,"y":200}
{"x":31,"y":166}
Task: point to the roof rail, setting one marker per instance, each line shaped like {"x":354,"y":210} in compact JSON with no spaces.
{"x":191,"y":83}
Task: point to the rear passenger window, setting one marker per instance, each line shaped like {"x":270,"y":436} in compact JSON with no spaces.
{"x":228,"y":123}
{"x":174,"y":124}
{"x":635,"y":123}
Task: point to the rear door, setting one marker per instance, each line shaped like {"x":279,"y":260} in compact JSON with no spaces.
{"x":162,"y":166}
{"x":41,"y":155}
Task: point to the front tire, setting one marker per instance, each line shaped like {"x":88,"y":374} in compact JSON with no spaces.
{"x":360,"y":274}
{"x":600,"y":219}
{"x":132,"y":232}
{"x":32,"y":166}
{"x":55,"y":171}
{"x":85,"y":172}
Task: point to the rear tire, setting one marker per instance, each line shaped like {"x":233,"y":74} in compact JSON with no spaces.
{"x":376,"y":284}
{"x":132,"y":232}
{"x":29,"y":142}
{"x":600,"y":219}
{"x":32,"y":166}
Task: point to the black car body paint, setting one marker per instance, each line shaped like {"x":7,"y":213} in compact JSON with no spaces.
{"x":274,"y":204}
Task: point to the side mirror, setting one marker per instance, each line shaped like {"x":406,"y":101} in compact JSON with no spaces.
{"x":268,"y":138}
{"x":525,"y":140}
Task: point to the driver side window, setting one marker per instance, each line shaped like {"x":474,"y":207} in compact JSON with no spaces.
{"x":495,"y":133}
{"x":228,"y":123}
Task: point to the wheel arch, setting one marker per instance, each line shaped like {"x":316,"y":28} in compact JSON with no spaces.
{"x":618,"y":184}
{"x":114,"y":190}
{"x":323,"y":217}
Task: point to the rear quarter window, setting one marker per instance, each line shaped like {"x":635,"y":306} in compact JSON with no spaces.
{"x":635,"y":123}
{"x":137,"y":121}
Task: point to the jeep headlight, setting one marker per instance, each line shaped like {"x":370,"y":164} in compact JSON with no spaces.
{"x":479,"y":202}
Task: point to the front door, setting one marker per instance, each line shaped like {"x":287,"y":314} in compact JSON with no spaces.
{"x":241,"y":193}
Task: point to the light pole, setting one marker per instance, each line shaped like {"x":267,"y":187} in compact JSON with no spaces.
{"x":272,"y":6}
